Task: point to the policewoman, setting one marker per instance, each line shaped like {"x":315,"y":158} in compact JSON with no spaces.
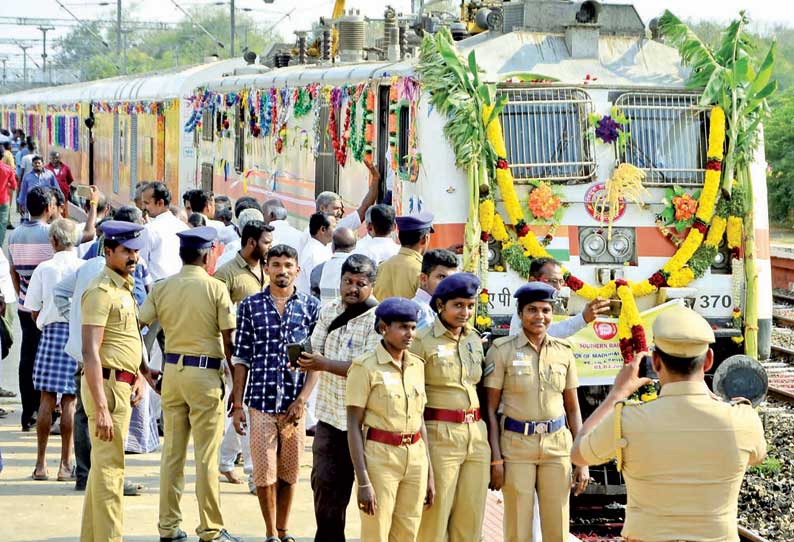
{"x":111,"y":357}
{"x":533,"y":375}
{"x":457,"y":437}
{"x":198,"y":319}
{"x":385,"y":430}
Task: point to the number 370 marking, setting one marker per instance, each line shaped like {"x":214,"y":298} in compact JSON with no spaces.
{"x":715,"y":302}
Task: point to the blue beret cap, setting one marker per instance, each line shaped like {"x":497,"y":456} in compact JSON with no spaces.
{"x":126,"y":233}
{"x":454,"y":286}
{"x":197,"y":238}
{"x":535,"y":291}
{"x":396,"y":309}
{"x":421,"y":221}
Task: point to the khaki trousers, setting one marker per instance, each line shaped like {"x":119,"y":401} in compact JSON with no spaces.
{"x":192,"y":400}
{"x":460,"y":456}
{"x":399,"y":478}
{"x":539,"y":462}
{"x":103,"y":509}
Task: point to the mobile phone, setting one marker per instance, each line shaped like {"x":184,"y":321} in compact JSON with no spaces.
{"x":83,"y":191}
{"x":646,"y":368}
{"x":294,"y":351}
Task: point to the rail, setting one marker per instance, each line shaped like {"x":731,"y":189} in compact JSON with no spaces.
{"x":746,"y":535}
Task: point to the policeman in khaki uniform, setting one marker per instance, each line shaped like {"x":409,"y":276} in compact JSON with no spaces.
{"x":534,"y":376}
{"x":457,"y":437}
{"x":399,"y":275}
{"x":112,"y":357}
{"x":385,"y":430}
{"x":198,"y":319}
{"x":683,"y":455}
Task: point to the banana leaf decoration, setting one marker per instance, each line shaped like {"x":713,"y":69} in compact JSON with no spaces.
{"x":730,"y":77}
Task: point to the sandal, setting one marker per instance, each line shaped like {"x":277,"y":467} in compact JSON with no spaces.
{"x":286,"y":537}
{"x":272,"y":539}
{"x":40,"y":477}
{"x":67,"y":476}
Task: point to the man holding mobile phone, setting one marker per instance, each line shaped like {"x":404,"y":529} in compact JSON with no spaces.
{"x":683,"y":455}
{"x":277,"y":393}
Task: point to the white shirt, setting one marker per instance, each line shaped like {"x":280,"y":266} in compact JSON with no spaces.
{"x":561,"y":330}
{"x":6,"y":284}
{"x":161,"y":250}
{"x":352,"y":221}
{"x":331,"y":277}
{"x":26,"y":164}
{"x":314,"y":253}
{"x":45,"y":276}
{"x":67,"y":295}
{"x":378,"y":249}
{"x":285,"y":234}
{"x":230,"y":250}
{"x":426,"y":315}
{"x":217,"y":224}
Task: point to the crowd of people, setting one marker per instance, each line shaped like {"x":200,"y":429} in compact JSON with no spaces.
{"x":246,"y":334}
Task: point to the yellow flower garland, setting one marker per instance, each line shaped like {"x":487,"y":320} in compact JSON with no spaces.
{"x":486,"y":212}
{"x":734,"y":236}
{"x":716,"y":231}
{"x":499,"y":231}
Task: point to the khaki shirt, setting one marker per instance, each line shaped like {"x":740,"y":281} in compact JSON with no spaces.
{"x":107,"y":302}
{"x":240,"y":279}
{"x":532,"y":382}
{"x":375,"y":382}
{"x":399,"y":275}
{"x":684,"y":458}
{"x":453,"y":367}
{"x":193,"y":309}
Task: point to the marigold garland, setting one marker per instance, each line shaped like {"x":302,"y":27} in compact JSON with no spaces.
{"x":487,"y":211}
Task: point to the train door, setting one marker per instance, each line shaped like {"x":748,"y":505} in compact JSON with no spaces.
{"x":115,"y":154}
{"x":133,"y":154}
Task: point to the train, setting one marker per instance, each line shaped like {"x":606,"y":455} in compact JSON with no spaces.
{"x":306,"y":122}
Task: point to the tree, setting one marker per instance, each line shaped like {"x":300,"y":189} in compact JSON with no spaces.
{"x":779,"y":132}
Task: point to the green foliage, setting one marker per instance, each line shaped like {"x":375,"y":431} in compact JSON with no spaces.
{"x":150,"y":50}
{"x":779,"y":132}
{"x":770,"y":467}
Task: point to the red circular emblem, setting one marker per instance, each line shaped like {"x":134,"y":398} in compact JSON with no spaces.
{"x":589,"y":202}
{"x":605,"y":330}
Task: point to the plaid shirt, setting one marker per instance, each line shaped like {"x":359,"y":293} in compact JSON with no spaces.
{"x":345,"y":343}
{"x":261,"y":344}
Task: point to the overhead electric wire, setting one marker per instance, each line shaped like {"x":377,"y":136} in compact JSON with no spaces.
{"x":198,"y":24}
{"x":84,"y":25}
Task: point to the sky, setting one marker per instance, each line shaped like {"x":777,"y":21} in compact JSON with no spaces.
{"x":302,"y":13}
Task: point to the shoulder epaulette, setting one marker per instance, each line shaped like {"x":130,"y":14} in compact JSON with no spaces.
{"x":503,"y":340}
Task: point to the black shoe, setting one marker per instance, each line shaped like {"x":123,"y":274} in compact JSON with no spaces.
{"x":9,"y":226}
{"x":80,"y":485}
{"x":180,"y":536}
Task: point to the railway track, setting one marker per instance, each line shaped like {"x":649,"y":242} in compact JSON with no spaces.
{"x":780,"y":370}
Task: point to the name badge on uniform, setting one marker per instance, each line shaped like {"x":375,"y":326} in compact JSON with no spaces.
{"x":445,"y":350}
{"x":521,"y":360}
{"x":391,"y":379}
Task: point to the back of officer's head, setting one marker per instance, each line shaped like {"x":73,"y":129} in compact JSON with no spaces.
{"x":682,"y":338}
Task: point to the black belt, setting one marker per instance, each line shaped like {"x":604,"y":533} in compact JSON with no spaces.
{"x":532,"y":428}
{"x":202,"y":362}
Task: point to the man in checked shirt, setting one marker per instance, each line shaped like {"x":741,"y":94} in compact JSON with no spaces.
{"x":344,"y":331}
{"x":277,"y":393}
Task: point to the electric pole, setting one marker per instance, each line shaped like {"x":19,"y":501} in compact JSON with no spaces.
{"x":118,"y":37}
{"x":231,"y":40}
{"x":24,"y":62}
{"x":44,"y":30}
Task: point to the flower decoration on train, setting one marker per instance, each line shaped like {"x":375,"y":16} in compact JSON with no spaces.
{"x":544,"y":203}
{"x":680,"y":208}
{"x":610,"y":128}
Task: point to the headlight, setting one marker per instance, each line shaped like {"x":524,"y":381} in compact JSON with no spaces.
{"x":620,"y":247}
{"x":594,"y":245}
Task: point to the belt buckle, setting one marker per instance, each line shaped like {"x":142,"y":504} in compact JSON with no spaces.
{"x":406,"y":440}
{"x":203,"y":361}
{"x":468,"y":417}
{"x":541,"y":428}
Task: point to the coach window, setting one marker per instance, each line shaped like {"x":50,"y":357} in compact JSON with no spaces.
{"x":668,"y":137}
{"x":239,"y":137}
{"x":403,"y":129}
{"x":208,"y":124}
{"x":546,"y":134}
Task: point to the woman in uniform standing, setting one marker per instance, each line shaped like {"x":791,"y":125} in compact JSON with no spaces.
{"x":534,"y":376}
{"x":385,"y":430}
{"x":457,"y":437}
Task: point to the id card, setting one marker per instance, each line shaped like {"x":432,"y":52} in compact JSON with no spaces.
{"x":391,"y":379}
